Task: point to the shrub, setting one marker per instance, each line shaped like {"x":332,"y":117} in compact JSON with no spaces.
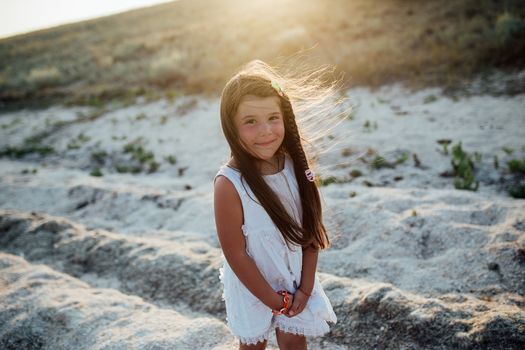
{"x":96,"y":172}
{"x":463,"y":169}
{"x":509,"y":27}
{"x":355,"y":173}
{"x":327,"y":181}
{"x":141,"y":155}
{"x":517,"y":191}
{"x":516,"y":165}
{"x":46,"y":76}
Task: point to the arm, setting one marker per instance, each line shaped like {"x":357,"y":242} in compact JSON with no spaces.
{"x":228,"y":220}
{"x":307,"y":280}
{"x":310,"y":255}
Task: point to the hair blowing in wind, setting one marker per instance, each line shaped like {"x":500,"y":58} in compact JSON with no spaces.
{"x":303,"y":99}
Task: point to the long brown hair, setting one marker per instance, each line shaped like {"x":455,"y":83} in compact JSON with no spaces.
{"x":256,"y":79}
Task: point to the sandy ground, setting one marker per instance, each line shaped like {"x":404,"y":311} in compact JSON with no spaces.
{"x":404,"y":227}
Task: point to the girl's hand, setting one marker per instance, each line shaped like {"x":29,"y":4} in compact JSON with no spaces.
{"x":298,"y":301}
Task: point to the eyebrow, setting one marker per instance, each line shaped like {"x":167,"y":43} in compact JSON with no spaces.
{"x":269,"y":114}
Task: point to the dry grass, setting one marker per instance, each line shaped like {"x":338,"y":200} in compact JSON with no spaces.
{"x":194,"y":46}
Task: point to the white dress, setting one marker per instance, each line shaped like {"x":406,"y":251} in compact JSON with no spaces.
{"x":247,"y":317}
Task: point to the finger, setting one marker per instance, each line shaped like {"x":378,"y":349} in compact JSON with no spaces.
{"x":295,"y":307}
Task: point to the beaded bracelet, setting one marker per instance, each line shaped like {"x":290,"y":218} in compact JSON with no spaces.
{"x":286,"y":301}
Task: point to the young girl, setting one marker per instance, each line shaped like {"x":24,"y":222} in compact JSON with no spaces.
{"x":268,"y":217}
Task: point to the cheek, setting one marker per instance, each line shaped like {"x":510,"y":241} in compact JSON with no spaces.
{"x":279,"y":129}
{"x":247,"y":132}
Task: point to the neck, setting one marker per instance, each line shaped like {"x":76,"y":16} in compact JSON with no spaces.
{"x":272,"y":166}
{"x":266,"y":167}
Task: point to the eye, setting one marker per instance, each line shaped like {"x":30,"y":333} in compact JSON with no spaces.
{"x":275,"y":117}
{"x":250,"y":121}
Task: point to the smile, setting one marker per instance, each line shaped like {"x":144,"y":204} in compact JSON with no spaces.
{"x":265,"y":144}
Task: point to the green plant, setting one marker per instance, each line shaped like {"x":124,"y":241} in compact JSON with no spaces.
{"x":171,"y":159}
{"x":99,"y":156}
{"x":507,"y":150}
{"x":429,"y":99}
{"x":516,"y":165}
{"x":517,"y":191}
{"x":30,"y":146}
{"x":96,"y":172}
{"x":327,"y":181}
{"x":463,"y":169}
{"x":355,"y":173}
{"x":380,"y":162}
{"x":508,"y":26}
{"x":444,"y":143}
{"x":141,"y":155}
{"x":140,"y":116}
{"x":367,"y":126}
{"x":477,"y":156}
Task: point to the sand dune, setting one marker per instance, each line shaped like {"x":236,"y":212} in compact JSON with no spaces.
{"x":130,"y":260}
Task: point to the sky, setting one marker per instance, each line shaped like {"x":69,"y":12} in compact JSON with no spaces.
{"x":21,"y":16}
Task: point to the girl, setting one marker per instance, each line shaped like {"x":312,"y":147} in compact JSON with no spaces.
{"x":268,"y":217}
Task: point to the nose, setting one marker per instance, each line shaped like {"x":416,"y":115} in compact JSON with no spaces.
{"x":265,"y":129}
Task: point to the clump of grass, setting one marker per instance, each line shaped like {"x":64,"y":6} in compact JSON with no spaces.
{"x":417,"y":162}
{"x":77,"y":143}
{"x":99,"y":156}
{"x":30,"y":146}
{"x":187,"y":106}
{"x":463,"y":169}
{"x":29,"y":171}
{"x":367,"y":126}
{"x":516,"y":165}
{"x":327,"y":180}
{"x":146,"y":159}
{"x":507,"y":150}
{"x":346,"y":152}
{"x":12,"y":123}
{"x":351,"y":115}
{"x":44,"y":77}
{"x":509,"y":27}
{"x":171,"y":159}
{"x":171,"y":95}
{"x":517,"y":191}
{"x":96,"y":172}
{"x":140,"y":116}
{"x":444,"y":143}
{"x":380,"y":162}
{"x":517,"y":168}
{"x":355,"y":173}
{"x":429,"y":99}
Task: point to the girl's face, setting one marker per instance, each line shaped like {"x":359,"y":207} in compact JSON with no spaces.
{"x":260,"y":125}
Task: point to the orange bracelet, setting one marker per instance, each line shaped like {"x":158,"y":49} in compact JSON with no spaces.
{"x":286,"y":301}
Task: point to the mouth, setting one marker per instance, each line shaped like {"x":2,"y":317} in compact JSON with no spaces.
{"x":265,"y":144}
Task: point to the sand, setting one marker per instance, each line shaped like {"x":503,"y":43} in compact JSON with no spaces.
{"x":131,"y":260}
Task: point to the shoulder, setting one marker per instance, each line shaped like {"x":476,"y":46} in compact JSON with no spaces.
{"x":227,"y":206}
{"x":225,"y":191}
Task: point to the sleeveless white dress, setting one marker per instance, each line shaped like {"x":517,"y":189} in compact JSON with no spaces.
{"x":280,"y":264}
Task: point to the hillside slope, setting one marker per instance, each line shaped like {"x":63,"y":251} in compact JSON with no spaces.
{"x":194,"y":46}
